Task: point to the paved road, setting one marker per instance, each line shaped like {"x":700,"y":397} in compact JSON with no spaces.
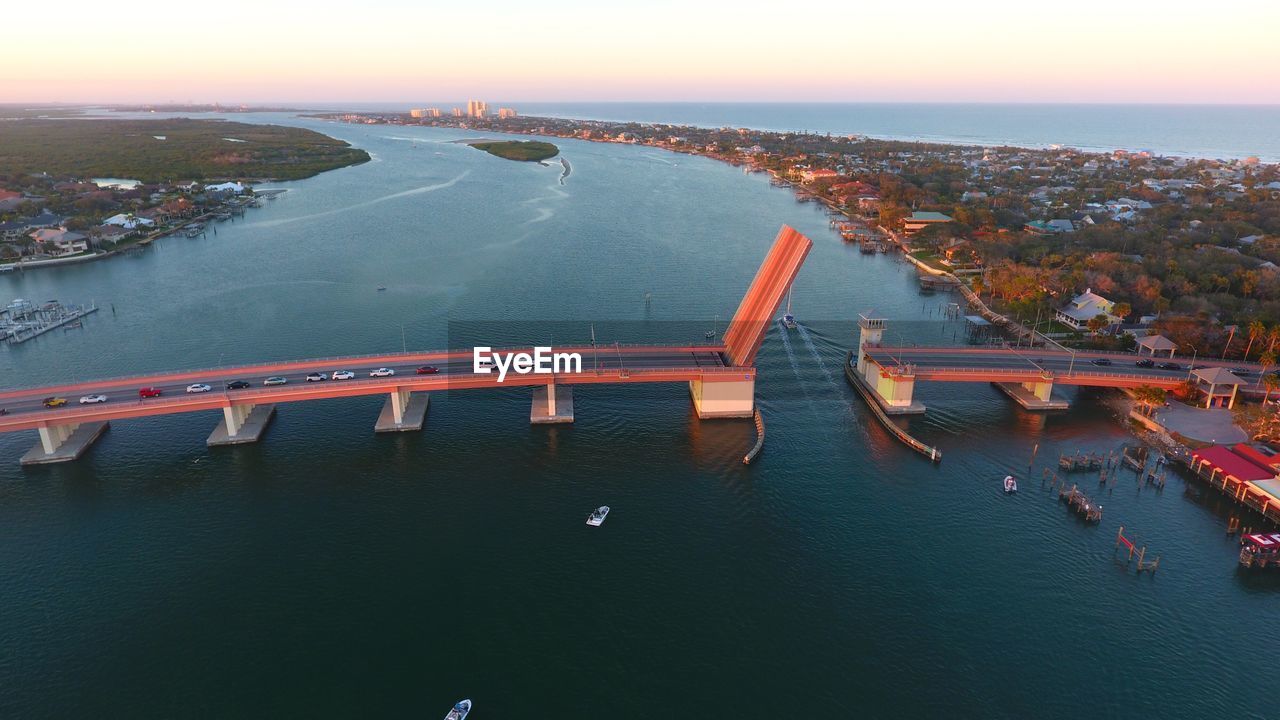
{"x":456,"y":365}
{"x":952,"y":363}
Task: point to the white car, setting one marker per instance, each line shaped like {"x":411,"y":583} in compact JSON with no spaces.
{"x":275,"y":380}
{"x":198,"y":388}
{"x":382,"y":372}
{"x":316,"y":377}
{"x":343,"y":375}
{"x":93,"y":399}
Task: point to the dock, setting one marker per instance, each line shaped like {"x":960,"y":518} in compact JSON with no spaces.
{"x":22,"y":320}
{"x":1081,"y":504}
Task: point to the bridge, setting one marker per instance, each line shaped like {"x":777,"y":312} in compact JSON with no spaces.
{"x":1028,"y":375}
{"x":721,"y":379}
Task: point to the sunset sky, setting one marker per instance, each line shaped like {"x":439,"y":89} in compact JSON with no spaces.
{"x":843,"y":50}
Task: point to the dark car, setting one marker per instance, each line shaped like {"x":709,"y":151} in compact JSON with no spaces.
{"x":428,"y":370}
{"x":1101,"y":361}
{"x":3,"y":411}
{"x":238,"y":385}
{"x":1241,"y":371}
{"x":1147,"y":362}
{"x":1170,"y":366}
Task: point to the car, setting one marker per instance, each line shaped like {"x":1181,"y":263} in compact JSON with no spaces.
{"x":428,"y":370}
{"x":382,"y":372}
{"x":343,"y":375}
{"x":1145,"y":363}
{"x":198,"y":388}
{"x":1197,"y":367}
{"x":1241,"y":371}
{"x":1170,"y":366}
{"x":150,"y":392}
{"x":238,"y":385}
{"x":317,"y":377}
{"x":93,"y":399}
{"x":275,"y":380}
{"x":4,"y":411}
{"x":54,"y":401}
{"x":1101,"y":361}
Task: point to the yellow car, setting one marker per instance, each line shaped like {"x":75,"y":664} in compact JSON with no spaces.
{"x":55,"y":401}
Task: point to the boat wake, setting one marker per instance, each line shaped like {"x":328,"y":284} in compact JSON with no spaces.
{"x":813,"y":349}
{"x":367,"y":203}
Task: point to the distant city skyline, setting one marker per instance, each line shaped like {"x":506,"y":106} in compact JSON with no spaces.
{"x":1090,"y":51}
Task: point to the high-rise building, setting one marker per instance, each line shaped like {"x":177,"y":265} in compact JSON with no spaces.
{"x":418,"y":113}
{"x":457,"y":112}
{"x":477,"y":108}
{"x":504,"y":113}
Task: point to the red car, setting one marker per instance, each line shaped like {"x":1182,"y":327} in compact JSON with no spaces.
{"x":428,"y":370}
{"x":149,"y":392}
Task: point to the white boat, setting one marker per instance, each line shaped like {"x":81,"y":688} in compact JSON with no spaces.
{"x":787,"y":318}
{"x":597,"y":516}
{"x":1010,"y":485}
{"x":459,"y":710}
{"x":714,"y":325}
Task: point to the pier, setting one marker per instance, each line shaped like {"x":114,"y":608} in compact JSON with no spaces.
{"x":22,"y":320}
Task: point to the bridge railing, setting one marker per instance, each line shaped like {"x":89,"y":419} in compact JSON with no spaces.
{"x":1049,"y":374}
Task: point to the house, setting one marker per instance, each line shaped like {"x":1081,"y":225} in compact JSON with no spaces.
{"x":1061,"y":226}
{"x":1085,"y":307}
{"x":973,"y":195}
{"x":17,"y":229}
{"x":110,"y":233}
{"x":60,"y":241}
{"x":128,"y":221}
{"x":811,"y":175}
{"x":921,"y":220}
{"x":236,"y":188}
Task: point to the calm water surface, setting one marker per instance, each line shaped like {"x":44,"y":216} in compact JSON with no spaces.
{"x":329,"y":572}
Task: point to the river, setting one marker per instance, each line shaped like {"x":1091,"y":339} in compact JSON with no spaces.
{"x":329,"y":572}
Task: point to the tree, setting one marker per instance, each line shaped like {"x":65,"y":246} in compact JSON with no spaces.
{"x":1270,"y":382}
{"x":1267,"y":359}
{"x":1256,"y":330}
{"x":1097,"y":323}
{"x":1122,"y":310}
{"x":1149,"y":397}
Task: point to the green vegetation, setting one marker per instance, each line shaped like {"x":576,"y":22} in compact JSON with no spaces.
{"x":190,"y":150}
{"x":523,"y":150}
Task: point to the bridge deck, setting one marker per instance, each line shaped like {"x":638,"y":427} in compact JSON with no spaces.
{"x":973,"y":364}
{"x":635,"y":364}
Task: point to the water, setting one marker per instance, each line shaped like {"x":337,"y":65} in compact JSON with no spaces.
{"x":329,"y":572}
{"x":1212,"y":131}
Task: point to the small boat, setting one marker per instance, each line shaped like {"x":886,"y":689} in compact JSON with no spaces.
{"x":712,"y":332}
{"x":597,"y":516}
{"x":1010,"y":485}
{"x":787,"y":318}
{"x":459,"y":710}
{"x":382,"y":288}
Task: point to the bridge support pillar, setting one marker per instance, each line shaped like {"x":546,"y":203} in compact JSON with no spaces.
{"x":723,"y":399}
{"x":552,"y":404}
{"x":403,"y":411}
{"x":241,"y":424}
{"x":61,"y":443}
{"x":1035,"y":395}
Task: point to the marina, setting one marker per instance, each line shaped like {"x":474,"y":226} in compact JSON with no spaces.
{"x":22,"y":320}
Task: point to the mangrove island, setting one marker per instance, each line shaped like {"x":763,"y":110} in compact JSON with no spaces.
{"x":522,"y":150}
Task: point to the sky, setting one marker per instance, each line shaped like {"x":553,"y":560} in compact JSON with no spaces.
{"x":286,"y":51}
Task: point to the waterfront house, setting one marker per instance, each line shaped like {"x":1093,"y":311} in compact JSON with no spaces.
{"x":811,"y":175}
{"x":58,"y":242}
{"x":918,"y":221}
{"x":1085,"y":307}
{"x":128,"y":221}
{"x":232,"y":188}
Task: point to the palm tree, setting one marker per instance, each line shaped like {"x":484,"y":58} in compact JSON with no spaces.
{"x":1273,"y":336}
{"x":1270,"y":382}
{"x":1256,"y":330}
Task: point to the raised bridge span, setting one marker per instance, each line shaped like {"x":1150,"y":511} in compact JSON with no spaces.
{"x":721,"y":379}
{"x":1029,"y":374}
